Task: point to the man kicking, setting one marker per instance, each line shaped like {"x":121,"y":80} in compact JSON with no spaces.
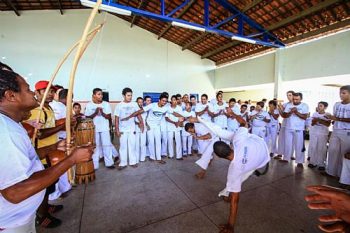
{"x":208,"y":133}
{"x":249,"y":153}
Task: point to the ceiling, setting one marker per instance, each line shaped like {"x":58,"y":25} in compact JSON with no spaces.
{"x":292,"y":21}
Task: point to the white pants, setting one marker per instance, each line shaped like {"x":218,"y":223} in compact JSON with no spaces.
{"x":27,"y":228}
{"x":127,"y":149}
{"x":140,"y":146}
{"x":260,"y":132}
{"x":294,"y":140}
{"x":207,"y":154}
{"x":281,"y":138}
{"x":225,"y":193}
{"x":318,"y":149}
{"x":339,"y":145}
{"x":164,"y":146}
{"x":114,"y":152}
{"x":177,"y":136}
{"x":61,"y":187}
{"x":187,"y":142}
{"x":272,"y":132}
{"x":202,"y":145}
{"x":104,"y":148}
{"x":154,"y":143}
{"x":345,"y":172}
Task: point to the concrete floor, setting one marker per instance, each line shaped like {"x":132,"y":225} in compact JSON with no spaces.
{"x":168,"y":199}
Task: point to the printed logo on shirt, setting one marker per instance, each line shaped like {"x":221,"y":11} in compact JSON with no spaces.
{"x":245,"y":159}
{"x":158,"y":114}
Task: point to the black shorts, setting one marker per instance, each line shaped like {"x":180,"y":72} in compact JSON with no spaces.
{"x":51,"y":188}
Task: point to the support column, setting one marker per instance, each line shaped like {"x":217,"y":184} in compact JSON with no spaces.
{"x":278,"y":80}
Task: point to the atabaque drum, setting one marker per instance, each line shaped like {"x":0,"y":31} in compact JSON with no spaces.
{"x":84,"y":134}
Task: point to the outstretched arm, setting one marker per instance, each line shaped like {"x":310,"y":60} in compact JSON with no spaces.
{"x":224,"y":134}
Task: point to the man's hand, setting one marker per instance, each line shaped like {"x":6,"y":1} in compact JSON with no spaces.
{"x":98,"y":110}
{"x":193,"y":120}
{"x":330,"y":117}
{"x":61,"y":145}
{"x":83,"y":153}
{"x":142,"y":127}
{"x":226,"y":228}
{"x":329,"y":198}
{"x":34,"y":124}
{"x":117,"y":133}
{"x":280,"y":107}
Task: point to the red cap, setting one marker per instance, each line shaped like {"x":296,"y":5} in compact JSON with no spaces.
{"x":42,"y":85}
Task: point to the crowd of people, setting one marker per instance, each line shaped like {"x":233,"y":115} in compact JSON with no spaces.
{"x":174,"y":127}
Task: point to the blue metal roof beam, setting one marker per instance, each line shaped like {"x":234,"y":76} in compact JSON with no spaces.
{"x":183,"y":23}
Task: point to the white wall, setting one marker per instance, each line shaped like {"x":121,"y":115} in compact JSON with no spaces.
{"x":119,"y":56}
{"x":251,"y":72}
{"x":325,"y":57}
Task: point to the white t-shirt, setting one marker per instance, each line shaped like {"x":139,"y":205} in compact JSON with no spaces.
{"x":220,"y":120}
{"x":258,"y":121}
{"x":285,"y":120}
{"x":123,"y":110}
{"x":273,"y":122}
{"x":342,"y":111}
{"x":18,"y":161}
{"x":170,"y":126}
{"x":163,"y":122}
{"x":155,"y":114}
{"x":201,"y":129}
{"x":144,"y":117}
{"x":232,"y":124}
{"x":200,"y":107}
{"x":101,"y":123}
{"x":187,"y":114}
{"x":319,"y":128}
{"x":250,"y":153}
{"x":60,"y":111}
{"x":294,"y":122}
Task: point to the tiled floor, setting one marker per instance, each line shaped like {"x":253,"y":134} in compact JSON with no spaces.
{"x":169,"y":199}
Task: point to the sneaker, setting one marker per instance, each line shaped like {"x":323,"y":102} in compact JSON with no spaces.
{"x":47,"y":221}
{"x":293,"y":158}
{"x":271,"y":155}
{"x":300,"y":165}
{"x":321,"y":168}
{"x":55,"y":208}
{"x":180,"y":159}
{"x":311,"y":165}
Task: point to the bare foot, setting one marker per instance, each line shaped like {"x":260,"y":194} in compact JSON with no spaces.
{"x":201,"y":174}
{"x":226,"y":199}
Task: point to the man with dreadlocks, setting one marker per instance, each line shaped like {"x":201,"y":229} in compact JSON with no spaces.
{"x":23,"y":179}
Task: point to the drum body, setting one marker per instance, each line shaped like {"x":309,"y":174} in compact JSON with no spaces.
{"x":84,"y":134}
{"x":84,"y":172}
